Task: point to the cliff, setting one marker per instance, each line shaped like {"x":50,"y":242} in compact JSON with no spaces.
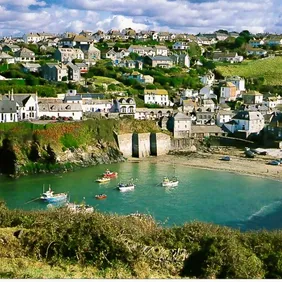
{"x":29,"y":148}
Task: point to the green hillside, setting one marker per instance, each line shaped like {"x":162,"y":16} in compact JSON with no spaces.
{"x":270,"y":69}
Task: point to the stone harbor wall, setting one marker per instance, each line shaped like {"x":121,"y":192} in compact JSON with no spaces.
{"x":125,"y":144}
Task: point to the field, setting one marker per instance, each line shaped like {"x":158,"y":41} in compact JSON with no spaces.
{"x":270,"y":69}
{"x":104,"y":80}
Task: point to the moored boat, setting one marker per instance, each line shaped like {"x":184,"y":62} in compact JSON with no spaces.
{"x":101,"y":196}
{"x":51,"y":197}
{"x":110,"y":174}
{"x":173,"y":182}
{"x":76,"y":208}
{"x":103,"y":179}
{"x":126,"y":187}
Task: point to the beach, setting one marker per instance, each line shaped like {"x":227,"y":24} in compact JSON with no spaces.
{"x":257,"y":166}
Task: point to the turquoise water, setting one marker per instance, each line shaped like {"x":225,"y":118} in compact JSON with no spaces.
{"x":223,"y":198}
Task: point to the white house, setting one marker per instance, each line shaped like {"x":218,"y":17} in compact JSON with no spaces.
{"x":56,"y":110}
{"x":181,"y":125}
{"x":6,"y":58}
{"x":180,"y":45}
{"x":156,"y":96}
{"x":160,"y":50}
{"x":96,"y":106}
{"x":223,"y":116}
{"x":124,"y":106}
{"x":238,"y":81}
{"x":8,"y":111}
{"x":228,"y":92}
{"x":208,"y":79}
{"x":207,"y":93}
{"x":248,"y":121}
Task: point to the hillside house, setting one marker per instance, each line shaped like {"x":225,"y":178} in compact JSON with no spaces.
{"x":24,"y":55}
{"x":255,"y":51}
{"x":156,"y":96}
{"x":66,"y":55}
{"x":8,"y":111}
{"x":160,"y":61}
{"x":6,"y":58}
{"x":181,"y":125}
{"x":179,"y":45}
{"x":227,"y":57}
{"x":256,"y":43}
{"x":11,"y":48}
{"x":252,"y":97}
{"x":228,"y":92}
{"x":31,"y":67}
{"x":223,"y":116}
{"x":55,"y":72}
{"x":182,"y":60}
{"x":124,"y":106}
{"x":238,"y":81}
{"x":208,"y":79}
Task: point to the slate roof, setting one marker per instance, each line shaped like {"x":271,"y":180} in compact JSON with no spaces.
{"x":7,"y":106}
{"x":245,"y":115}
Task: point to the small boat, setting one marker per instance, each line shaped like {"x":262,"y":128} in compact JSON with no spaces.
{"x":76,"y":208}
{"x":173,"y":182}
{"x":101,"y":196}
{"x":126,"y":187}
{"x":103,"y":179}
{"x":110,"y":174}
{"x":51,"y":197}
{"x":225,"y":158}
{"x":249,"y":153}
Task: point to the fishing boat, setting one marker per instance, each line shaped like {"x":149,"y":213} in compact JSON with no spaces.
{"x":101,"y":196}
{"x":110,"y":174}
{"x":103,"y":180}
{"x":51,"y":197}
{"x":167,"y":182}
{"x":126,"y":187}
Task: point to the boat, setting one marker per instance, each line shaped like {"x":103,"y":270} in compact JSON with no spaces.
{"x":110,"y":174}
{"x":103,"y":179}
{"x":225,"y":158}
{"x":167,"y":182}
{"x":101,"y":196}
{"x":126,"y":187}
{"x":51,"y":197}
{"x":249,"y":153}
{"x":76,"y":208}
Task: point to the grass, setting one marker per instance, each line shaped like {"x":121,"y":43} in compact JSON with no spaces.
{"x":270,"y":69}
{"x":104,"y":80}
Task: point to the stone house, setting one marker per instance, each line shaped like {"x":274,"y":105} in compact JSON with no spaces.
{"x":180,"y":45}
{"x":208,"y":79}
{"x":11,"y":48}
{"x":55,"y":72}
{"x":6,"y":58}
{"x":227,"y":57}
{"x":238,"y":81}
{"x":181,"y":125}
{"x":31,"y":67}
{"x":252,"y":97}
{"x":68,"y":54}
{"x":160,"y":61}
{"x":182,"y":60}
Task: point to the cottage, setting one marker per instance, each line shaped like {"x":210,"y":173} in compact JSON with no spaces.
{"x":201,"y":131}
{"x":6,"y":58}
{"x":182,"y":60}
{"x":55,"y":72}
{"x":245,"y":121}
{"x":24,"y":55}
{"x":252,"y":97}
{"x":160,"y":61}
{"x":180,"y":46}
{"x":68,"y":54}
{"x":11,"y":48}
{"x":255,"y":51}
{"x":156,"y":96}
{"x":160,"y":50}
{"x":31,"y":67}
{"x":223,"y":116}
{"x":8,"y":111}
{"x":152,"y":114}
{"x":208,"y":79}
{"x":229,"y":57}
{"x":256,"y":43}
{"x":181,"y":125}
{"x":124,"y":106}
{"x":238,"y":81}
{"x":228,"y":92}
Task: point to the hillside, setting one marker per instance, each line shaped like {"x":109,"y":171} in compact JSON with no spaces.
{"x":270,"y":69}
{"x":60,"y":244}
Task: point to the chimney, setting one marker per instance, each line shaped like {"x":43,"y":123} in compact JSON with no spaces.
{"x":12,"y":95}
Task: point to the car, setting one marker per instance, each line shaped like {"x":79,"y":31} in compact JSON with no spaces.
{"x":274,"y":162}
{"x":226,"y":158}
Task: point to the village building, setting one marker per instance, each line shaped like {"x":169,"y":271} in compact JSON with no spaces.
{"x":252,"y":97}
{"x":124,"y":106}
{"x":8,"y":111}
{"x":228,"y":92}
{"x":156,"y":96}
{"x":181,"y":125}
{"x":68,"y":54}
{"x":24,"y":55}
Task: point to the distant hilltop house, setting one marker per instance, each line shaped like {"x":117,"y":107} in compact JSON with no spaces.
{"x":274,"y":41}
{"x":75,"y":41}
{"x":246,"y":122}
{"x":256,"y":43}
{"x":36,"y":37}
{"x":227,"y":57}
{"x":252,"y":97}
{"x":157,"y":96}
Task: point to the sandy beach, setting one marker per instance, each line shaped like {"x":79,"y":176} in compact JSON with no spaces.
{"x":211,"y":160}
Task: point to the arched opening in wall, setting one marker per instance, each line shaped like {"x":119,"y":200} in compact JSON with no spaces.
{"x":131,"y":109}
{"x":160,"y":114}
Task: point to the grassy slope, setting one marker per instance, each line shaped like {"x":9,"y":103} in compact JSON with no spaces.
{"x":270,"y":69}
{"x":103,"y":79}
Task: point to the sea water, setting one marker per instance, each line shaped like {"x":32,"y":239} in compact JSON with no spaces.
{"x":223,"y":198}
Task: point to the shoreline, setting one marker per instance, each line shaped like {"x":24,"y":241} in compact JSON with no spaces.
{"x":238,"y":164}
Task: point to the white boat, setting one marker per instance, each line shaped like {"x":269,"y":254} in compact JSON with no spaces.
{"x":51,"y":197}
{"x":126,"y":187}
{"x":173,"y":182}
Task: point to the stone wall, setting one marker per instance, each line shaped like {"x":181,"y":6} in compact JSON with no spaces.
{"x":125,"y":144}
{"x":181,"y":144}
{"x":160,"y":144}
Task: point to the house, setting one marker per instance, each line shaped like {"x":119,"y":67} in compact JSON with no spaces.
{"x":140,"y":77}
{"x":274,"y":128}
{"x":57,"y":110}
{"x":6,"y":58}
{"x":8,"y":111}
{"x":142,"y":50}
{"x":207,"y":93}
{"x":204,"y":117}
{"x":252,"y":97}
{"x":96,"y":105}
{"x":73,"y":72}
{"x":152,"y":114}
{"x":124,"y":106}
{"x":179,"y":45}
{"x":188,"y":105}
{"x":24,"y":55}
{"x":82,"y":67}
{"x":203,"y":40}
{"x":245,"y":121}
{"x":55,"y":72}
{"x":111,"y":54}
{"x":181,"y":125}
{"x":182,"y":60}
{"x":156,"y":96}
{"x":274,"y":41}
{"x":201,"y":131}
{"x":273,"y":101}
{"x":238,"y":81}
{"x":31,"y":67}
{"x":256,"y":43}
{"x":255,"y":51}
{"x":68,"y":54}
{"x":34,"y":38}
{"x":223,"y":116}
{"x":74,"y":41}
{"x":148,"y":79}
{"x":11,"y":48}
{"x":163,"y":36}
{"x":227,"y":57}
{"x":160,"y":61}
{"x":91,"y":53}
{"x":133,"y":64}
{"x":26,"y":105}
{"x":160,"y":50}
{"x":228,"y":92}
{"x":208,"y":78}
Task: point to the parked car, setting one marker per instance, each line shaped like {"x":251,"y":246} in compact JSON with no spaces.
{"x":274,"y":162}
{"x":226,"y":158}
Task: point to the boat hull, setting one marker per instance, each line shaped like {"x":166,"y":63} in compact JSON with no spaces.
{"x":55,"y":199}
{"x":110,"y":175}
{"x":170,"y":184}
{"x":126,"y":188}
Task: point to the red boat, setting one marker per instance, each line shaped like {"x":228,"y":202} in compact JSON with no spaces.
{"x":101,"y":196}
{"x":110,"y":174}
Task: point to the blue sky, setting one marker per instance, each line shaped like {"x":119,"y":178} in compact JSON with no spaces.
{"x":20,"y":16}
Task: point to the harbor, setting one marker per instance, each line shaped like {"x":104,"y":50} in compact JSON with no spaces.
{"x":229,"y":199}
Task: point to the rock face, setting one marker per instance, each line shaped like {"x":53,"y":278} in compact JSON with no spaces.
{"x":34,"y":158}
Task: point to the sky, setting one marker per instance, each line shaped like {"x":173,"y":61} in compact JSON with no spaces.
{"x":190,"y":16}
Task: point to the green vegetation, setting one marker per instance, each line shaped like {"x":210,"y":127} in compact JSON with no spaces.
{"x":59,"y":244}
{"x":270,"y":69}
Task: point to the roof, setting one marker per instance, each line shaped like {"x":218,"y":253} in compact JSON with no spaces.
{"x":60,"y":107}
{"x":224,"y":55}
{"x":206,"y":129}
{"x":155,"y":92}
{"x":73,"y":98}
{"x":248,"y":115}
{"x":230,"y":84}
{"x":20,"y":99}
{"x":252,"y":93}
{"x":8,"y":106}
{"x":30,"y":65}
{"x":180,"y":116}
{"x":161,"y":58}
